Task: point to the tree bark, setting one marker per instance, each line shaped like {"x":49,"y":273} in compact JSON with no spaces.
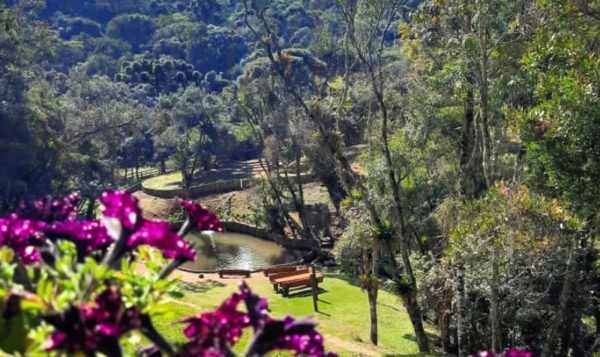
{"x":550,"y":347}
{"x":461,"y":316}
{"x":90,"y":208}
{"x":486,"y":143}
{"x":372,"y":287}
{"x":495,"y":308}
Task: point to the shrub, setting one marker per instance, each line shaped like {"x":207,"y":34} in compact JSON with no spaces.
{"x":70,"y":286}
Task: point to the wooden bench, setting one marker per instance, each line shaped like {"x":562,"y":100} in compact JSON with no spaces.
{"x":301,"y":283}
{"x":279,"y":269}
{"x":274,"y":279}
{"x":234,"y":272}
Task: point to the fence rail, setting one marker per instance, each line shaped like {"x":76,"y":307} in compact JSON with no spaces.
{"x":212,"y":188}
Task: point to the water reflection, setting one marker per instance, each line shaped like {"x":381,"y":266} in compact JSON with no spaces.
{"x":236,"y":251}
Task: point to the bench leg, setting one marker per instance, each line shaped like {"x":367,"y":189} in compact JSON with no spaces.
{"x":286,"y":291}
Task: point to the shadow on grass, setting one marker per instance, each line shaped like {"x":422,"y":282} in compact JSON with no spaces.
{"x":201,"y":287}
{"x":306,"y":292}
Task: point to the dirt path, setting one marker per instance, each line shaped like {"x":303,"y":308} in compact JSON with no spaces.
{"x":349,"y":346}
{"x":187,"y":277}
{"x":154,"y":207}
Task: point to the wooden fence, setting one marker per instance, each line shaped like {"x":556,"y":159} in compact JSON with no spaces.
{"x":212,"y":188}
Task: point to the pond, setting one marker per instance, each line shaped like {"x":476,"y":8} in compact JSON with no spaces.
{"x":236,"y":251}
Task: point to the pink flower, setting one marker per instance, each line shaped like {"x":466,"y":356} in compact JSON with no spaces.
{"x":88,"y":236}
{"x":213,"y":333}
{"x":506,"y":192}
{"x":160,"y":236}
{"x":92,"y":327}
{"x":201,"y":217}
{"x":123,"y":206}
{"x":298,"y":336}
{"x":49,"y":210}
{"x":216,"y":330}
{"x":23,"y":236}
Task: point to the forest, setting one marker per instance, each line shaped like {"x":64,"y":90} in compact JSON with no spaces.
{"x":442,"y":156}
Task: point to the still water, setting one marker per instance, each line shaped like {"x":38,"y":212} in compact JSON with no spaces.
{"x":236,"y":251}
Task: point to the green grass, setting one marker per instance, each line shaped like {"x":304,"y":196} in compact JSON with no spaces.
{"x":343,"y":317}
{"x":164,"y":182}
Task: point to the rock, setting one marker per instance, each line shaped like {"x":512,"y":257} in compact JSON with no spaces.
{"x":330,"y":263}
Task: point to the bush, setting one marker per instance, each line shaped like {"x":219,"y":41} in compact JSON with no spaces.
{"x":71,"y":287}
{"x":136,"y":29}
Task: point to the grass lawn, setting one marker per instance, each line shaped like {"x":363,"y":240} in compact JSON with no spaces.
{"x":343,"y":320}
{"x":164,"y":182}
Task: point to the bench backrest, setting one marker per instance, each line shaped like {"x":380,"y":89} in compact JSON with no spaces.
{"x":281,"y":269}
{"x":291,"y":273}
{"x":233,"y":272}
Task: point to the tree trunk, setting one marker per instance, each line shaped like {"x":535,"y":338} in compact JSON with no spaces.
{"x":186,"y":183}
{"x":444,"y":326}
{"x":461,"y":316}
{"x":411,"y":301}
{"x":468,"y":150}
{"x":486,"y":143}
{"x":90,"y":208}
{"x":495,"y":309}
{"x":163,"y":167}
{"x":372,"y":286}
{"x":561,"y":318}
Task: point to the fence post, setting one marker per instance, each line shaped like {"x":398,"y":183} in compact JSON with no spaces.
{"x":314,"y":283}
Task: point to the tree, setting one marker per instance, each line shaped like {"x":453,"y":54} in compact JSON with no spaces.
{"x":99,"y":115}
{"x":561,"y":133}
{"x":135,"y":29}
{"x":185,"y":123}
{"x":29,"y":119}
{"x":367,"y":25}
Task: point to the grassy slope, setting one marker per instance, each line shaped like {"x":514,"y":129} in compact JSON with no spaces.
{"x":344,"y":317}
{"x":164,"y":182}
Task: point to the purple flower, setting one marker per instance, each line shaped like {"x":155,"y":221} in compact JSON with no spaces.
{"x":49,"y":210}
{"x":201,"y":217}
{"x":92,"y":327}
{"x":112,"y":320}
{"x":159,"y":235}
{"x":123,"y":206}
{"x":213,"y":333}
{"x":298,"y":336}
{"x":509,"y":353}
{"x":23,"y":236}
{"x":216,"y":330}
{"x":257,"y":307}
{"x":88,"y":236}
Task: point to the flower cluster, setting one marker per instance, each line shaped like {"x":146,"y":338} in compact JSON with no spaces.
{"x":92,"y":327}
{"x":35,"y":221}
{"x":122,"y":206}
{"x":216,"y":331}
{"x":159,"y":235}
{"x":200,"y":217}
{"x":213,"y":333}
{"x":49,"y":210}
{"x":24,"y":236}
{"x":88,"y":236}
